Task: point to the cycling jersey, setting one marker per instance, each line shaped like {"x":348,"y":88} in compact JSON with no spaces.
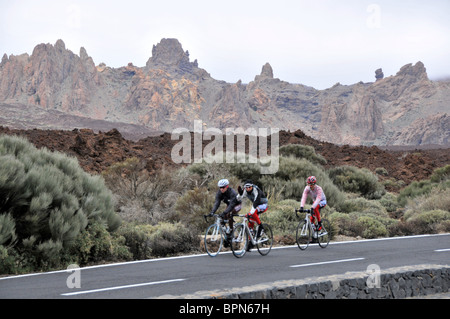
{"x":317,"y":194}
{"x":256,"y":196}
{"x":229,"y":197}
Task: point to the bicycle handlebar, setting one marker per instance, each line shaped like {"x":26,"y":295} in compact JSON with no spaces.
{"x":218,"y":215}
{"x":303,"y":211}
{"x":206,"y":216}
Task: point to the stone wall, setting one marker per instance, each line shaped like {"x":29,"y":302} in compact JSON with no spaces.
{"x":393,"y":283}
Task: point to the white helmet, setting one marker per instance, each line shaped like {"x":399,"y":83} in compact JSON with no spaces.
{"x":223,"y":182}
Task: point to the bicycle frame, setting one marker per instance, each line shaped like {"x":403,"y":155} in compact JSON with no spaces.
{"x":216,"y":236}
{"x":309,"y":230}
{"x":308,"y":222}
{"x":242,"y":237}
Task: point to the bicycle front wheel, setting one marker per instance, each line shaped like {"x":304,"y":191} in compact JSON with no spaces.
{"x":239,"y":241}
{"x":265,"y":240}
{"x":324,"y":234}
{"x":213,"y":240}
{"x":303,"y":235}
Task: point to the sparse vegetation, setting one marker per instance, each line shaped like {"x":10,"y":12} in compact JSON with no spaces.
{"x":53,"y":214}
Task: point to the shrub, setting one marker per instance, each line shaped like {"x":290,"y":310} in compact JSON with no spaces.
{"x":441,"y":174}
{"x":191,"y":207}
{"x":302,"y":151}
{"x":389,"y":202}
{"x":414,"y":189}
{"x":281,"y":217}
{"x":95,"y":244}
{"x":429,"y":222}
{"x":381,"y":171}
{"x":344,"y":224}
{"x":357,"y":180}
{"x":46,"y":201}
{"x":137,"y":239}
{"x":170,"y":239}
{"x":371,"y":227}
{"x":360,"y":204}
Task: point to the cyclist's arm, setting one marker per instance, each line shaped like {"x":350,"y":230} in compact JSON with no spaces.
{"x":216,"y":204}
{"x":233,"y":202}
{"x":304,"y":197}
{"x":318,"y":197}
{"x":241,"y":197}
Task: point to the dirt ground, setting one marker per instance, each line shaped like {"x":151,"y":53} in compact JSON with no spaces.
{"x":96,"y":151}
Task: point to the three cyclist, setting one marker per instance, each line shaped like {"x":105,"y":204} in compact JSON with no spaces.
{"x":259,"y":201}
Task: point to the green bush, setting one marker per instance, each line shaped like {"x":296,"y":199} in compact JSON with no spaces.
{"x":137,"y":239}
{"x":389,"y":202}
{"x":357,"y":180}
{"x":191,"y":207}
{"x":371,"y":227}
{"x":170,"y":239}
{"x":360,"y":204}
{"x":96,"y":244}
{"x":345,"y":224}
{"x":414,"y":189}
{"x":281,"y":216}
{"x":46,"y":201}
{"x":429,"y":222}
{"x":302,"y":151}
{"x":441,"y":174}
{"x":381,"y":171}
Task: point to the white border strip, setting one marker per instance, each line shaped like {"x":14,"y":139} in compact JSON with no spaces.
{"x":121,"y":287}
{"x":327,"y":262}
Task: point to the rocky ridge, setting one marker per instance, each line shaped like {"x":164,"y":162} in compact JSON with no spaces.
{"x":170,"y":92}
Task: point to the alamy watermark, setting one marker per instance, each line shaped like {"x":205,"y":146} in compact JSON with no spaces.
{"x":234,"y":152}
{"x":74,"y":279}
{"x":374,"y":279}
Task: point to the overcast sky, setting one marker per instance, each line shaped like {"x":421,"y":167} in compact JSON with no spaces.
{"x":316,"y":43}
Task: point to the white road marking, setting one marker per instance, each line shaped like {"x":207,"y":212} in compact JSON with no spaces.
{"x":327,"y":262}
{"x":441,"y":250}
{"x":121,"y":287}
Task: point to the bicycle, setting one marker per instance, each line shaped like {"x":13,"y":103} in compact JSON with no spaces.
{"x":215,"y":236}
{"x":306,"y":231}
{"x":242,"y":236}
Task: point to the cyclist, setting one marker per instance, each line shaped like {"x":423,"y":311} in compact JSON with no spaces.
{"x":259,"y":206}
{"x":229,"y":196}
{"x":320,"y":201}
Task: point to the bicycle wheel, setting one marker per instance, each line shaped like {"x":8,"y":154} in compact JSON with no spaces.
{"x":265,"y":241}
{"x":324,"y":234}
{"x":213,"y":240}
{"x":303,"y":235}
{"x":239,"y":241}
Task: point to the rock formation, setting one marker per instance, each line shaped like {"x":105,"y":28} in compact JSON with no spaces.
{"x":170,"y":91}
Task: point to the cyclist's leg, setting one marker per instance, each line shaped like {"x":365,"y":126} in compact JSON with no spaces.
{"x":260,"y":209}
{"x":316,"y":212}
{"x":234,"y":211}
{"x":319,"y":207}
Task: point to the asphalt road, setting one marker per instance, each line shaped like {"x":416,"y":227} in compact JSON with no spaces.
{"x":188,"y":274}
